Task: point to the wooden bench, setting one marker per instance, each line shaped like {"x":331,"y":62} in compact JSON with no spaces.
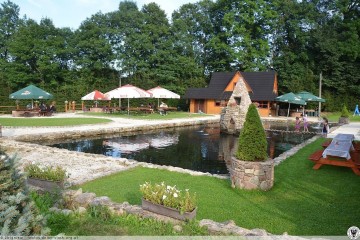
{"x":326,"y":144}
{"x":316,"y":155}
{"x":356,"y":146}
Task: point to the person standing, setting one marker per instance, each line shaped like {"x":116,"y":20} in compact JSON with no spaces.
{"x":297,"y":124}
{"x":325,"y":128}
{"x":306,"y":123}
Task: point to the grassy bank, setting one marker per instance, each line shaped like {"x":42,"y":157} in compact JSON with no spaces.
{"x":146,"y":116}
{"x":334,"y":117}
{"x":303,"y":201}
{"x":45,"y":122}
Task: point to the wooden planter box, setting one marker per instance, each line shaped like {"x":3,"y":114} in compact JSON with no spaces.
{"x":45,"y":184}
{"x":166,"y":211}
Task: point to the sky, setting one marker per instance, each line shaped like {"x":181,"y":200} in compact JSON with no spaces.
{"x":70,"y":13}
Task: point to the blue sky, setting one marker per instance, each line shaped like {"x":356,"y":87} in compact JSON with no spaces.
{"x":70,"y":13}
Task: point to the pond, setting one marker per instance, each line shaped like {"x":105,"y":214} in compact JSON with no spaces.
{"x":199,"y":148}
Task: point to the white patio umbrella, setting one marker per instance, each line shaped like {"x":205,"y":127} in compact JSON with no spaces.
{"x":128,"y":91}
{"x":159,"y":92}
{"x":95,"y":95}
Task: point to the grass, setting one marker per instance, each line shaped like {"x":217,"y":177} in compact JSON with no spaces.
{"x":99,"y":221}
{"x":303,"y":201}
{"x":334,"y":117}
{"x":41,"y":122}
{"x":145,"y":116}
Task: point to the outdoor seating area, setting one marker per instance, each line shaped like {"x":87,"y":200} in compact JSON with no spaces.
{"x":340,"y":151}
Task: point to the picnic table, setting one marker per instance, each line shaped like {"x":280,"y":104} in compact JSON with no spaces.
{"x":340,"y":152}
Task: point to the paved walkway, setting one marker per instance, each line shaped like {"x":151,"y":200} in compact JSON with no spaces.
{"x":117,"y":122}
{"x":351,"y":128}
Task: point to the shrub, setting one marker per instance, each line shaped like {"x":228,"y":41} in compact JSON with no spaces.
{"x":252,"y":140}
{"x":50,"y":173}
{"x":18,"y":214}
{"x":168,"y":196}
{"x":344,"y":112}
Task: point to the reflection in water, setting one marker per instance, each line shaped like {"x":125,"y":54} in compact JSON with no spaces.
{"x":200,"y":148}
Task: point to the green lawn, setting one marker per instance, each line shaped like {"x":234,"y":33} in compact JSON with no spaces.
{"x":41,"y":122}
{"x":153,"y":116}
{"x":334,"y":117}
{"x":302,"y":202}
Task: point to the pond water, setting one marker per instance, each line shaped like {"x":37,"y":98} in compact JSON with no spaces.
{"x":200,"y":148}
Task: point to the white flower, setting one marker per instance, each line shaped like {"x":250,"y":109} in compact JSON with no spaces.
{"x":168,"y":187}
{"x":33,"y":162}
{"x":175,"y":195}
{"x":164,"y":196}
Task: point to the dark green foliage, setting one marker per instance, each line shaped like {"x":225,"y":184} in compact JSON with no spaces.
{"x":252,"y":139}
{"x":18,"y":215}
{"x":344,"y":112}
{"x":299,"y":39}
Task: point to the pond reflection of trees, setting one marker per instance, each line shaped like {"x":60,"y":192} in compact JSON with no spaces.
{"x":201,"y":148}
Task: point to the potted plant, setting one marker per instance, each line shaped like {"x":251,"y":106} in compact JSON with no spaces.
{"x":46,"y":177}
{"x":251,"y":167}
{"x":344,"y":117}
{"x":168,"y":200}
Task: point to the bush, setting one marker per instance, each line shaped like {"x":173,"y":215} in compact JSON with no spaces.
{"x":50,"y":173}
{"x":344,"y":112}
{"x":18,"y":214}
{"x":252,"y":140}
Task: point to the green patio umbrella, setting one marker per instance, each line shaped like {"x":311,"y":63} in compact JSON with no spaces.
{"x":31,"y":92}
{"x":309,"y":97}
{"x":290,"y":98}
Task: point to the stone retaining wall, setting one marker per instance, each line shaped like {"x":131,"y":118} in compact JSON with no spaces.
{"x":252,"y":175}
{"x":76,"y":134}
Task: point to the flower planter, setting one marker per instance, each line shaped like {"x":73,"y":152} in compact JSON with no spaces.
{"x":166,"y":211}
{"x":45,"y":184}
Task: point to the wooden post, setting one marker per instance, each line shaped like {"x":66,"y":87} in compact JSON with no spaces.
{"x":66,"y":106}
{"x":82,"y":105}
{"x":73,"y":106}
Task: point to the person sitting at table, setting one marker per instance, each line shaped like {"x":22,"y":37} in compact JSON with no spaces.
{"x":325,"y":128}
{"x":43,"y":109}
{"x":163,"y":108}
{"x":52,"y":108}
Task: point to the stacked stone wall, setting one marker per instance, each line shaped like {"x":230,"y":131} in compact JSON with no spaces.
{"x":252,"y":175}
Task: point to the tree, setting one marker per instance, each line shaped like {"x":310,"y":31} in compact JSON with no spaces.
{"x":252,"y":139}
{"x":18,"y":215}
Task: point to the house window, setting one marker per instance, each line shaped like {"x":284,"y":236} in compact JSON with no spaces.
{"x":263,"y":104}
{"x":217,"y":103}
{"x":237,"y":100}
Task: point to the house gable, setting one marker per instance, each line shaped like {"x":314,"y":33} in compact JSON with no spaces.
{"x":262,"y":86}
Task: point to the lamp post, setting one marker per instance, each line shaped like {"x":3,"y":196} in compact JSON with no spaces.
{"x":119,"y":86}
{"x":320,"y":83}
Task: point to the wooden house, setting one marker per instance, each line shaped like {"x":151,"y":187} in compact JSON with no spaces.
{"x":262,"y":88}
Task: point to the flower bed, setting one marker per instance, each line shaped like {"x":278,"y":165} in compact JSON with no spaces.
{"x":46,"y":177}
{"x":170,"y":197}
